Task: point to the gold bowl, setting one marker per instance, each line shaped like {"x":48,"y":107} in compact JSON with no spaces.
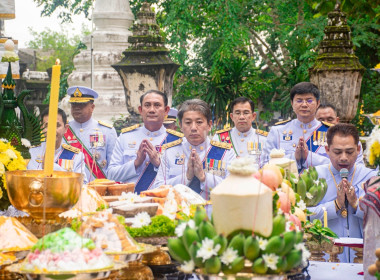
{"x":32,"y":192}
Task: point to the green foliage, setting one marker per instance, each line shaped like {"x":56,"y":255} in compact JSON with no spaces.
{"x":57,"y":45}
{"x":318,"y":232}
{"x":160,"y":226}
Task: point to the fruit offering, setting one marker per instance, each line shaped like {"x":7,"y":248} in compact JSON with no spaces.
{"x":374,"y":269}
{"x":198,"y":245}
{"x":65,"y":250}
{"x":308,"y":186}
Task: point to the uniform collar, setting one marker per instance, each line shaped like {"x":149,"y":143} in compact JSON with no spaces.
{"x":311,"y":124}
{"x":149,"y":133}
{"x":199,"y":148}
{"x":244,"y":134}
{"x":85,"y":124}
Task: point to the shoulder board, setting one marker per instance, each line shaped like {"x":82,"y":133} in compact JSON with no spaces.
{"x":327,"y":124}
{"x":262,"y":132}
{"x":224,"y":130}
{"x":71,"y":148}
{"x":130,"y":128}
{"x":171,"y":144}
{"x":105,"y":124}
{"x":223,"y":145}
{"x":174,"y":132}
{"x":282,"y":122}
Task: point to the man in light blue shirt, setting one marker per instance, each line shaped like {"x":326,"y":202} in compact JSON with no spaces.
{"x":345,"y":218}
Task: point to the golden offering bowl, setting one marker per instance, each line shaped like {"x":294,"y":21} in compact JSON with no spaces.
{"x":32,"y":192}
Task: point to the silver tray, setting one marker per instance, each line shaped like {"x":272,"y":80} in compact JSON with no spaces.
{"x":74,"y":275}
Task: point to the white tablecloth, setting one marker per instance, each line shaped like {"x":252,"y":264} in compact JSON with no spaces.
{"x":335,"y":271}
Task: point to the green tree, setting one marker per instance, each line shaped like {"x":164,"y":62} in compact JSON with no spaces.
{"x":57,"y":45}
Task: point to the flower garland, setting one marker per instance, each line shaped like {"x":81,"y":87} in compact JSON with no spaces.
{"x":10,"y":160}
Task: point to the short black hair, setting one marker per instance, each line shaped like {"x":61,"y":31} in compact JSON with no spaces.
{"x":60,"y":112}
{"x":164,"y":97}
{"x":196,"y":105}
{"x":328,"y":105}
{"x":242,"y":99}
{"x":343,"y":129}
{"x":305,"y":88}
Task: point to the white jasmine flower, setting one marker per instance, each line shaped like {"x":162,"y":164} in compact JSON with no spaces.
{"x":271,"y":260}
{"x":207,"y":249}
{"x":229,"y":256}
{"x":141,"y":219}
{"x":301,"y":205}
{"x":129,"y":197}
{"x":11,"y":154}
{"x":188,"y":266}
{"x":309,"y":195}
{"x":305,"y":252}
{"x":4,"y":140}
{"x":288,"y":226}
{"x":25,"y":142}
{"x":181,"y":227}
{"x":295,"y":181}
{"x":262,"y":243}
{"x":279,"y":211}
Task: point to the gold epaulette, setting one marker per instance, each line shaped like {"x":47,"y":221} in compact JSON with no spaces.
{"x":327,"y":124}
{"x":105,"y":124}
{"x":171,"y":144}
{"x":223,"y":145}
{"x":282,"y":122}
{"x":224,"y":130}
{"x":174,"y":132}
{"x":262,"y":132}
{"x":130,"y":128}
{"x":71,"y":148}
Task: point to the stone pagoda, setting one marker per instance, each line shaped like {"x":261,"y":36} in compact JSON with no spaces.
{"x":112,"y":20}
{"x":145,"y":64}
{"x":337,"y":71}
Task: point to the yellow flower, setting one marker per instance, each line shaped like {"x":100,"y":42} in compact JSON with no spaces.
{"x":2,"y":168}
{"x":374,"y":153}
{"x":11,"y":154}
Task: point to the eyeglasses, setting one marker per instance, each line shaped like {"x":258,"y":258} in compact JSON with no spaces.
{"x":308,"y":101}
{"x":245,"y":113}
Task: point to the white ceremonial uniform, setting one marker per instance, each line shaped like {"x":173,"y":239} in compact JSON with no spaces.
{"x":122,"y":166}
{"x":174,"y":162}
{"x":352,"y":225}
{"x":73,"y":163}
{"x":285,"y":135}
{"x":99,"y":139}
{"x":242,"y":142}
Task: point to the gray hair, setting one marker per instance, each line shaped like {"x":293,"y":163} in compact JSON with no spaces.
{"x":196,"y":105}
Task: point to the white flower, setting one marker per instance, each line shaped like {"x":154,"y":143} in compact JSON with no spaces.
{"x":262,"y":243}
{"x":279,"y":211}
{"x":305,"y":252}
{"x":141,"y":219}
{"x":181,"y":227}
{"x":309,"y":195}
{"x":295,"y":180}
{"x":129,"y":197}
{"x":4,"y":140}
{"x":288,"y":226}
{"x":271,"y":260}
{"x":2,"y":168}
{"x":11,"y":154}
{"x":207,"y":249}
{"x":188,"y":267}
{"x":229,"y":256}
{"x":301,"y":205}
{"x":25,"y":142}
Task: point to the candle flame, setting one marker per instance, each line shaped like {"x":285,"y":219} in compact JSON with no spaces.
{"x":57,"y":62}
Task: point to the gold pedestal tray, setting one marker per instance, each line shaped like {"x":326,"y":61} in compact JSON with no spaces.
{"x":40,"y":227}
{"x":133,"y":255}
{"x":7,"y":275}
{"x":158,"y":257}
{"x":40,"y":196}
{"x":72,"y":275}
{"x":135,"y":271}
